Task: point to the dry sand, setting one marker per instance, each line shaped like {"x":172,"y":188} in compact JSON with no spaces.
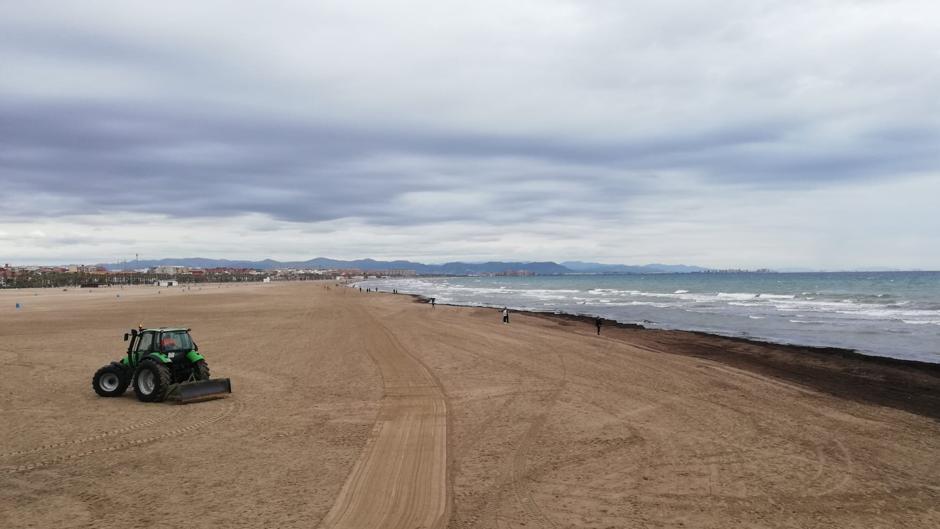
{"x":368,"y":410}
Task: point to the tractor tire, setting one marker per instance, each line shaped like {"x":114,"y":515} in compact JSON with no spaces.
{"x":151,"y":381}
{"x":111,"y":380}
{"x":201,"y":370}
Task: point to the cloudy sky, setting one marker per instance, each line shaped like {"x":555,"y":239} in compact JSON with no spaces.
{"x":802,"y":133}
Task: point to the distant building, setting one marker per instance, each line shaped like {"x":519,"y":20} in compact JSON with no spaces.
{"x":80,"y":269}
{"x":398,"y":273}
{"x":170,"y":270}
{"x":515,"y":273}
{"x":7,"y":273}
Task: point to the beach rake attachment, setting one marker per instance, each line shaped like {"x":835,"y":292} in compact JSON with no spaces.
{"x":199,"y":390}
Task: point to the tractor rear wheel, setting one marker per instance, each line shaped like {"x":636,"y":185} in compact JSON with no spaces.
{"x":151,"y":381}
{"x":111,"y":380}
{"x":201,"y":370}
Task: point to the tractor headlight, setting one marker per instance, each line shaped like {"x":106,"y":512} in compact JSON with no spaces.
{"x":172,"y":356}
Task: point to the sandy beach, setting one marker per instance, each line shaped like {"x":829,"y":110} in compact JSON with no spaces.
{"x":360,"y":410}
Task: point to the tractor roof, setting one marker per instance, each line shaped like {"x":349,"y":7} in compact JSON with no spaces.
{"x":164,"y":329}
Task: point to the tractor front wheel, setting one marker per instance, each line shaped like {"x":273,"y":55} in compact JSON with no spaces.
{"x":201,"y":370}
{"x":111,"y":380}
{"x":151,"y":381}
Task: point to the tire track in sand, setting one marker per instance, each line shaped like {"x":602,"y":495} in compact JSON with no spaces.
{"x":35,"y":465}
{"x":401,"y":479}
{"x":518,"y":466}
{"x":101,"y":435}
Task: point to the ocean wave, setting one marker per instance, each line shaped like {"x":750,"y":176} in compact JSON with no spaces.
{"x":839,"y":308}
{"x":614,"y":292}
{"x":893,"y":314}
{"x":819,"y":305}
{"x":737,"y":295}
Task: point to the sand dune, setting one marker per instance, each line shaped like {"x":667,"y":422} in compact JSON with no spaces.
{"x":369,"y":410}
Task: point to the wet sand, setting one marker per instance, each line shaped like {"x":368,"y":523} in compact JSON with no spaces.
{"x":369,"y":410}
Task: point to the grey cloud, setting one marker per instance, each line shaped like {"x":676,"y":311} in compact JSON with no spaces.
{"x":111,"y":157}
{"x":84,"y":46}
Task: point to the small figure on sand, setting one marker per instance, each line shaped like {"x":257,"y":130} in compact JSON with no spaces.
{"x":432,"y":302}
{"x":598,"y":322}
{"x":505,"y":315}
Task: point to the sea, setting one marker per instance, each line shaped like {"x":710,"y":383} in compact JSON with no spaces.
{"x":893,"y":314}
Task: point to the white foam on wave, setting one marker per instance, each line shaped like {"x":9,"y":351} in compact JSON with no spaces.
{"x":681,"y":292}
{"x":742,"y":296}
{"x":658,"y":295}
{"x":646,"y":304}
{"x":816,"y":306}
{"x":736,"y":295}
{"x":613,"y":292}
{"x":894,"y":314}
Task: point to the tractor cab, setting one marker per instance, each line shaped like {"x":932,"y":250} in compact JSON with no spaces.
{"x":166,"y":344}
{"x":175,"y":341}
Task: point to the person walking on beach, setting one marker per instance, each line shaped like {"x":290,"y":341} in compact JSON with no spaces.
{"x":598,"y":322}
{"x":432,"y":302}
{"x":505,"y":315}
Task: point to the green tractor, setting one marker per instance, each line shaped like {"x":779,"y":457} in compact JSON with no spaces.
{"x":161,"y":364}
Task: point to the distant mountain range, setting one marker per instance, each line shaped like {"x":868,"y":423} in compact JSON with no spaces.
{"x":454,"y":268}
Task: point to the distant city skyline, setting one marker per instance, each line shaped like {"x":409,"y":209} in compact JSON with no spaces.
{"x":754,"y":134}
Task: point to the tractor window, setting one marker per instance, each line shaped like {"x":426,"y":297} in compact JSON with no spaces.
{"x":175,"y":341}
{"x":146,"y":340}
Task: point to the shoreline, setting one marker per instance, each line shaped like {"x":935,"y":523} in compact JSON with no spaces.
{"x":589,"y":319}
{"x":872,"y":315}
{"x":908,"y":385}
